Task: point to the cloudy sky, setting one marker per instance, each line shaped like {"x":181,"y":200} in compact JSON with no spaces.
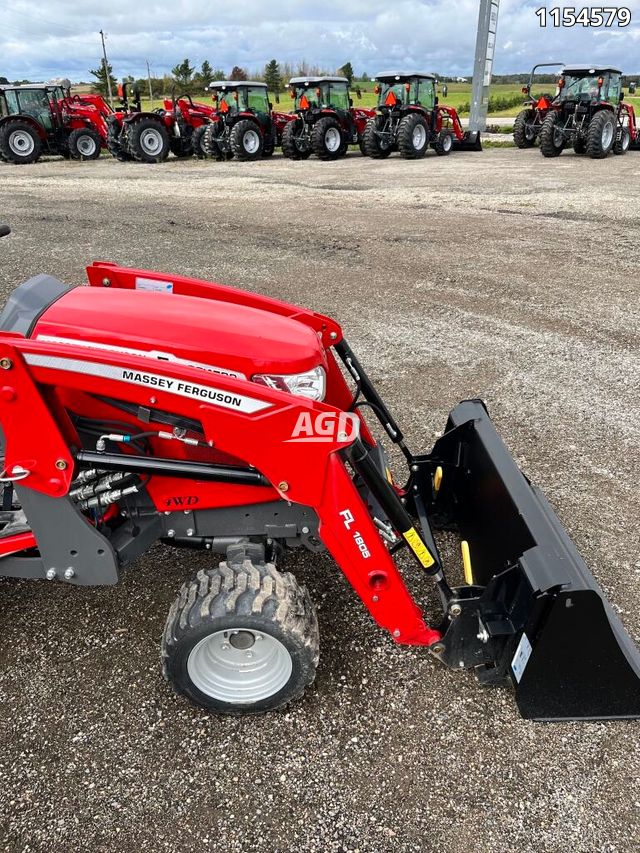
{"x":438,"y":35}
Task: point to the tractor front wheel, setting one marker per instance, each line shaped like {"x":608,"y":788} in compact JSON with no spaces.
{"x":444,"y":143}
{"x":413,"y":137}
{"x":326,"y":139}
{"x":524,"y":134}
{"x":375,"y":142}
{"x":246,"y":140}
{"x":621,"y":145}
{"x":19,"y":142}
{"x":292,"y":144}
{"x":84,"y":144}
{"x":149,"y":141}
{"x":552,"y":139}
{"x":241,"y":638}
{"x":601,"y":135}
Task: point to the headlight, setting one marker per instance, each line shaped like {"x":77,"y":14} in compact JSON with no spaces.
{"x":310,"y":384}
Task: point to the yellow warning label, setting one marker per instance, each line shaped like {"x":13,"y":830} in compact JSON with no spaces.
{"x":418,"y":547}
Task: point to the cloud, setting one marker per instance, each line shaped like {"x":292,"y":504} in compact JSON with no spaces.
{"x":437,"y":35}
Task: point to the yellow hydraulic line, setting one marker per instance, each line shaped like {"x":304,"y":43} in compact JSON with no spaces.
{"x":466,"y":562}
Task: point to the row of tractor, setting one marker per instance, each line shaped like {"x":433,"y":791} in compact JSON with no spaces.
{"x":587,"y":113}
{"x":239,"y":122}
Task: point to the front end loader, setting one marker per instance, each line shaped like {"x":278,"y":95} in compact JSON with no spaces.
{"x":244,"y":426}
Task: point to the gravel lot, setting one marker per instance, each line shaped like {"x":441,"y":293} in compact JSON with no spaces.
{"x":498,"y":275}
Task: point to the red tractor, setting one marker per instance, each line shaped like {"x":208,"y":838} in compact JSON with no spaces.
{"x":189,"y":120}
{"x":246,"y":427}
{"x":37,"y":119}
{"x":409,"y":119}
{"x":243,"y":124}
{"x":135,"y":134}
{"x":528,"y":123}
{"x":589,"y":114}
{"x":324,"y":121}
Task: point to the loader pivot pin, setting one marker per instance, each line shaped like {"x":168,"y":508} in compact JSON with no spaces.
{"x":466,"y":562}
{"x":437,"y":479}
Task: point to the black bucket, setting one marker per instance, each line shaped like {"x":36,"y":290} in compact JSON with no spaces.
{"x":535,"y":615}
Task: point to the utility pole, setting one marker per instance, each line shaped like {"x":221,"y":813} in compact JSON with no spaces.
{"x":150,"y":89}
{"x":106,"y":68}
{"x":483,"y":65}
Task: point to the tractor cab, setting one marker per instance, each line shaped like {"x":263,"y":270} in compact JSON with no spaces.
{"x":402,"y":89}
{"x":231,"y":97}
{"x":589,"y":85}
{"x":320,"y":93}
{"x":41,"y":103}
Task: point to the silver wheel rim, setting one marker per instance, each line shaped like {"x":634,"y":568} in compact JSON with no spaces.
{"x":447,"y":142}
{"x":419,"y":136}
{"x":558,"y":138}
{"x":21,"y":143}
{"x":151,"y":141}
{"x":626,"y":140}
{"x":239,"y":674}
{"x":529,"y":132}
{"x":86,"y":146}
{"x":251,"y":141}
{"x":332,"y":139}
{"x":607,"y":134}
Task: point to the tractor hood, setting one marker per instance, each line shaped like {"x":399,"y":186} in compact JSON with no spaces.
{"x":230,"y":338}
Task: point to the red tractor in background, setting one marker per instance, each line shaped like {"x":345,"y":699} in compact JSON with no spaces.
{"x":192,"y":118}
{"x":243,"y":124}
{"x":324,"y":121}
{"x":528,"y":123}
{"x":409,"y":119}
{"x":140,"y":135}
{"x":589,"y":114}
{"x":37,"y":119}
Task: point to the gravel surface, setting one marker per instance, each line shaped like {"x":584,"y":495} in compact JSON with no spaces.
{"x":499,"y":275}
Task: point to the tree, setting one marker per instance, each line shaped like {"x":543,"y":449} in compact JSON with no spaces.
{"x":347,"y":71}
{"x":272,"y":77}
{"x":183,"y":75}
{"x":238,"y":73}
{"x":205,"y":75}
{"x":100,"y":86}
{"x":4,"y":81}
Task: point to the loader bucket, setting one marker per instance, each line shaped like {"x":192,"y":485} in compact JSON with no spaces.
{"x":470,"y":141}
{"x":533,"y":614}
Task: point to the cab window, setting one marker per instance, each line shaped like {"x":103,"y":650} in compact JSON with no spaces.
{"x":257,"y":99}
{"x":613,"y":94}
{"x":12,"y":103}
{"x":338,"y":96}
{"x":35,"y":102}
{"x":426,"y":94}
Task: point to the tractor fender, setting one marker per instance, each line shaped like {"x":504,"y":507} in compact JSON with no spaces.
{"x":135,"y":117}
{"x":29,"y":120}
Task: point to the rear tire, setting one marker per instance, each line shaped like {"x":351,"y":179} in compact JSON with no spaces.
{"x":621,"y":146}
{"x":19,"y":143}
{"x":84,"y":144}
{"x":149,"y":141}
{"x":291,"y":148}
{"x":523,"y":135}
{"x":241,"y":638}
{"x":269,"y":142}
{"x":373,"y":144}
{"x":444,"y":143}
{"x":552,"y":142}
{"x":413,"y":137}
{"x":246,"y":140}
{"x":327,"y":139}
{"x":197,"y":142}
{"x":601,"y":135}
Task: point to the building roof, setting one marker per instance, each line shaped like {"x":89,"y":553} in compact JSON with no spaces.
{"x":384,"y":75}
{"x":310,"y":80}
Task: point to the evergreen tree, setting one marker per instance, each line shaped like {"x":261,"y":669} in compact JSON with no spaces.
{"x":272,"y":77}
{"x":205,"y":75}
{"x":238,"y":73}
{"x":347,"y":71}
{"x":100,"y":86}
{"x":183,"y":75}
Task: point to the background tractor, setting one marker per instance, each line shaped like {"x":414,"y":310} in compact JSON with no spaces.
{"x":589,"y":114}
{"x":409,"y":119}
{"x":325,"y":121}
{"x":137,"y":135}
{"x":43,"y":119}
{"x":243,"y":124}
{"x":528,"y":123}
{"x":190,"y":120}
